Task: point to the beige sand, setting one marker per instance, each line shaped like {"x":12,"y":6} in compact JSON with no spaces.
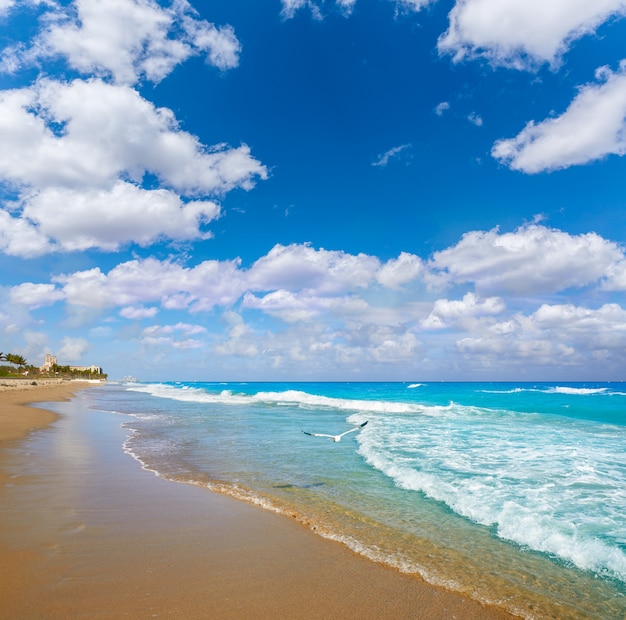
{"x":86,"y":533}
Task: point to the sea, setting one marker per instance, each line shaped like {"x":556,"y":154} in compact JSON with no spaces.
{"x":511,"y":493}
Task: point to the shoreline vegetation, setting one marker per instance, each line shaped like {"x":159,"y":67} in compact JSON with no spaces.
{"x":111,"y":540}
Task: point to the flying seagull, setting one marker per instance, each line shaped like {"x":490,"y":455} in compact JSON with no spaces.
{"x":336,"y":437}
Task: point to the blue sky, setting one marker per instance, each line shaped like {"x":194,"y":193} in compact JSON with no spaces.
{"x":315,"y":190}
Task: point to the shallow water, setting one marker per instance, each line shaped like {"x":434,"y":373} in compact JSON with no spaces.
{"x":512,"y":493}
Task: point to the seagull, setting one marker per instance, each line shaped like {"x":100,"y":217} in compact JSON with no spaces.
{"x":336,"y":437}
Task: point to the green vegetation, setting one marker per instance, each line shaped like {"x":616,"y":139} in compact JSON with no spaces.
{"x":19,"y":368}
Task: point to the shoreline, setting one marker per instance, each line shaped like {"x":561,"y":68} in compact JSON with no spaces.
{"x":130,"y":549}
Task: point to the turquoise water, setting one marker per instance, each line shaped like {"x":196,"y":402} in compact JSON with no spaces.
{"x":514,"y":494}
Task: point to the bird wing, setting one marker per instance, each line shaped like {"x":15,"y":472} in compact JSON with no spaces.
{"x":356,"y":428}
{"x":352,"y":430}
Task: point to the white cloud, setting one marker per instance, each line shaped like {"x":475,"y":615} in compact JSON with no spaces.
{"x":593,"y":127}
{"x":18,"y":237}
{"x":5,"y":5}
{"x":89,"y":134}
{"x":532,"y":260}
{"x":335,"y":313}
{"x":186,"y":328}
{"x":148,"y":281}
{"x":346,"y":5}
{"x":78,"y":152}
{"x":72,"y":349}
{"x":241,"y":341}
{"x":290,"y":7}
{"x":615,"y":277}
{"x":447,"y":312}
{"x":168,"y":335}
{"x":396,"y":272}
{"x":129,"y":40}
{"x":475,"y":119}
{"x":106,"y":219}
{"x":301,"y":267}
{"x":393,"y":153}
{"x":220,"y":43}
{"x":442,"y":107}
{"x":396,"y":348}
{"x":413,"y":5}
{"x":35,"y":295}
{"x":554,"y":335}
{"x":138,"y":312}
{"x":522,"y":33}
{"x":293,"y":307}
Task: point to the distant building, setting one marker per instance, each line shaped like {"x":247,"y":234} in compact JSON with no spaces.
{"x":51,"y":360}
{"x":96,"y":370}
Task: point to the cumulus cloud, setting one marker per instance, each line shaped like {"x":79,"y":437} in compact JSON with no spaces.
{"x":447,"y":312}
{"x":138,"y":312}
{"x":176,"y":336}
{"x":73,"y":349}
{"x":299,"y":267}
{"x":170,"y":335}
{"x":596,"y":330}
{"x":19,"y":237}
{"x":300,"y":281}
{"x":396,"y":272}
{"x":5,"y":5}
{"x":293,"y":307}
{"x":89,"y":134}
{"x":106,"y":219}
{"x":562,"y":334}
{"x":128,"y":40}
{"x":78,"y":152}
{"x":240,"y":341}
{"x":529,"y":261}
{"x":148,"y":281}
{"x":593,"y":127}
{"x":522,"y":33}
{"x":35,"y":295}
{"x":336,"y":311}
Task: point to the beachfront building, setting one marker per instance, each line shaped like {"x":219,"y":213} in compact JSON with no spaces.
{"x":51,"y":360}
{"x":94,"y":370}
{"x":51,"y":365}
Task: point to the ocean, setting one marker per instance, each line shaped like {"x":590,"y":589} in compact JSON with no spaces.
{"x":512,"y":493}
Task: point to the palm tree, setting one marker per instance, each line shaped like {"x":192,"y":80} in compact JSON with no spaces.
{"x":18,"y":360}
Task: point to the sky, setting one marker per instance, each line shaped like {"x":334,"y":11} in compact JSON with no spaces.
{"x":309,"y":190}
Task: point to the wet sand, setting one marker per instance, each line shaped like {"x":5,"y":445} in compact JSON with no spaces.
{"x":86,"y":533}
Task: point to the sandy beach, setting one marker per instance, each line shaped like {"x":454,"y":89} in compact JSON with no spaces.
{"x":86,"y":533}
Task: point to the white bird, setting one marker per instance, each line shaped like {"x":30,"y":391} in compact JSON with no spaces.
{"x":336,"y":437}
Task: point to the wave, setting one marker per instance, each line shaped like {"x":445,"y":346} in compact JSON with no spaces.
{"x":564,"y":499}
{"x":285,"y":398}
{"x":518,"y":523}
{"x":573,"y":391}
{"x":576,"y":391}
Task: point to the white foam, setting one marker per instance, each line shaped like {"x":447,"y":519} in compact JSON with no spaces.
{"x":576,"y":391}
{"x":558,"y":488}
{"x":287,"y":397}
